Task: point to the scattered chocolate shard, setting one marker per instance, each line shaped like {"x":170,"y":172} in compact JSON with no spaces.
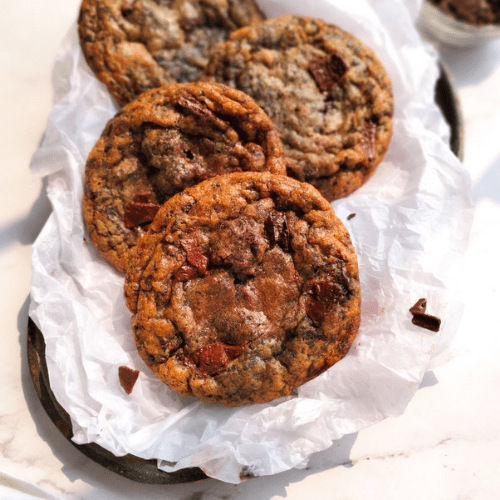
{"x":277,"y":230}
{"x":368,"y":141}
{"x":351,"y":216}
{"x":419,"y":307}
{"x":199,"y":109}
{"x":194,"y":256}
{"x":422,"y":319}
{"x":427,"y":321}
{"x":327,"y":71}
{"x":128,"y":378}
{"x":212,"y":358}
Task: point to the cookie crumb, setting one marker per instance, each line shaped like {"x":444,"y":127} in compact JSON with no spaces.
{"x":246,"y":473}
{"x":422,"y":319}
{"x":351,"y":216}
{"x":128,"y":378}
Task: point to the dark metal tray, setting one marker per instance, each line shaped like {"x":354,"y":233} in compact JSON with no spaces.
{"x":137,"y":469}
{"x":146,"y":471}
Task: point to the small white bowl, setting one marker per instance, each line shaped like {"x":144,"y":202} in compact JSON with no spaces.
{"x":446,"y":29}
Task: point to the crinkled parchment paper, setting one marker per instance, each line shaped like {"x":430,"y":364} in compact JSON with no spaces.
{"x":410,"y":231}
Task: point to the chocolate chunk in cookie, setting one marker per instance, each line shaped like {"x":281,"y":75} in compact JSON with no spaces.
{"x":166,"y":140}
{"x":326,"y":91}
{"x":244,"y":287}
{"x":136,"y":45}
{"x":328,"y":70}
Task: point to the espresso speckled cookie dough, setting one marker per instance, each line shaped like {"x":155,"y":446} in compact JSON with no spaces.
{"x":327,"y":93}
{"x":136,"y":45}
{"x":244,"y":287}
{"x":164,"y":141}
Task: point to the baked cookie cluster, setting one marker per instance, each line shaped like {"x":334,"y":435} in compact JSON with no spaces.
{"x":164,"y":141}
{"x":211,"y":187}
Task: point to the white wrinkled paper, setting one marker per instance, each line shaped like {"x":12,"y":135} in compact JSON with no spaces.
{"x":410,"y":232}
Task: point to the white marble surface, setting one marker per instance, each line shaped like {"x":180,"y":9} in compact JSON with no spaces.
{"x":446,"y":445}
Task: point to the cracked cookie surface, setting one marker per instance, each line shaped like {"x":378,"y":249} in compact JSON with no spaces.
{"x":244,"y":287}
{"x":327,"y":93}
{"x":164,"y":141}
{"x":136,"y":45}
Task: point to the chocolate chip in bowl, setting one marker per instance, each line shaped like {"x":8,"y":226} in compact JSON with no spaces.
{"x":460,"y":22}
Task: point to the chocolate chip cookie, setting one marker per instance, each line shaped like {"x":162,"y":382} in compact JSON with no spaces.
{"x":164,"y":141}
{"x":244,"y":287}
{"x":327,"y":93}
{"x":136,"y":45}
